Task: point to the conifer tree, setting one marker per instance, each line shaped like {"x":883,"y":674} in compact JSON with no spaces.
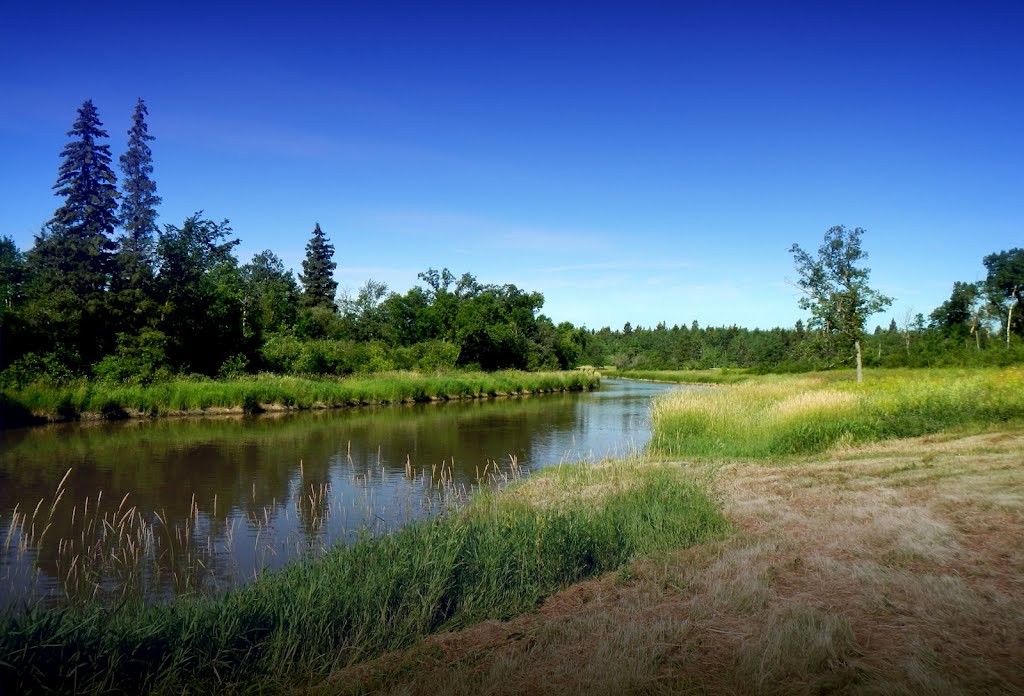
{"x":317,"y":277}
{"x":139,"y":202}
{"x":84,"y":225}
{"x":70,"y":264}
{"x":131,"y":298}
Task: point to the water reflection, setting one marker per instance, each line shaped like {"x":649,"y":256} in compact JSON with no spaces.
{"x":196,"y":504}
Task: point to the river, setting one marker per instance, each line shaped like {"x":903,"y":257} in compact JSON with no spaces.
{"x":165,"y":506}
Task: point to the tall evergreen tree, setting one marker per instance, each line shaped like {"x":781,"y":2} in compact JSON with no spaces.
{"x":132,"y":288}
{"x":71,"y":262}
{"x":317,"y":277}
{"x":139,"y":202}
{"x":85,"y":223}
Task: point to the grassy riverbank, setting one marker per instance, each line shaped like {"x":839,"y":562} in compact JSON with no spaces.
{"x":829,"y":583}
{"x":682,"y":376}
{"x":271,"y":392}
{"x":778,"y":415}
{"x":497,"y":557}
{"x":894,"y":566}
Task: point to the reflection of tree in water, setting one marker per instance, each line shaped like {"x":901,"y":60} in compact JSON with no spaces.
{"x":466,"y":436}
{"x":201,"y":485}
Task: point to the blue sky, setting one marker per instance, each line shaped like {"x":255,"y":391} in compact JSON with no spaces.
{"x":632,"y":161}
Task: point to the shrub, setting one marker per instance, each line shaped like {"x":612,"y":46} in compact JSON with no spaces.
{"x":235,"y":366}
{"x":281,"y":353}
{"x":139,"y":358}
{"x":32,"y":367}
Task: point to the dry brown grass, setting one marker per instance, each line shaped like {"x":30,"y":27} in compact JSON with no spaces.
{"x":891,"y":569}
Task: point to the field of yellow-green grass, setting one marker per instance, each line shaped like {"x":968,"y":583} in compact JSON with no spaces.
{"x":779,"y":415}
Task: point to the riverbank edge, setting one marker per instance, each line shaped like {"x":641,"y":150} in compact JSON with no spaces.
{"x":708,"y":378}
{"x":796,"y":600}
{"x":25,"y":407}
{"x":493,"y":558}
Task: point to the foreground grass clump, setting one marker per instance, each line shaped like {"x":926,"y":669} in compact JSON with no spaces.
{"x":267,"y":391}
{"x":778,"y":415}
{"x":494,"y":558}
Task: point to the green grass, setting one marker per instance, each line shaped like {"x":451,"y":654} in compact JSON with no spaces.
{"x":497,"y":557}
{"x":779,"y":415}
{"x":184,"y":395}
{"x":683,"y":376}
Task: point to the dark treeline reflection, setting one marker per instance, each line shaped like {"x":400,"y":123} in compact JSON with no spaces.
{"x":249,"y":492}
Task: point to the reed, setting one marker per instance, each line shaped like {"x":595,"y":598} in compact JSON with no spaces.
{"x":268,"y":391}
{"x":495,"y":556}
{"x":779,"y":415}
{"x":109,"y":551}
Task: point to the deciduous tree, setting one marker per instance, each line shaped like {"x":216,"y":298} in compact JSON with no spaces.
{"x":12,"y":279}
{"x":835,"y":287}
{"x":271,"y":296}
{"x":200,"y":290}
{"x":1005,"y":283}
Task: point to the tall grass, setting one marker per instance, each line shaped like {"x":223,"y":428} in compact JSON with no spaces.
{"x":683,"y":376}
{"x":779,"y":415}
{"x":493,"y":558}
{"x":110,"y":552}
{"x":255,"y":393}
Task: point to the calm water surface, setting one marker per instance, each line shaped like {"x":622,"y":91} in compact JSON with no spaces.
{"x":173,"y":505}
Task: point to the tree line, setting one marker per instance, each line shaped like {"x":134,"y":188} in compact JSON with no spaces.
{"x":105,"y":292}
{"x":980,"y":324}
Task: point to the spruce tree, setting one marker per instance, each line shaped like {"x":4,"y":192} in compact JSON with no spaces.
{"x":139,"y":202}
{"x":317,"y":277}
{"x":70,"y":264}
{"x":84,"y":224}
{"x":131,"y":287}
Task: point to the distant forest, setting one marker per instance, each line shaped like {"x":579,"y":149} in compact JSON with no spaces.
{"x":105,"y":293}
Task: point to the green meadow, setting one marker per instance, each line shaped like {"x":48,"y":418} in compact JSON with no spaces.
{"x":780,"y":415}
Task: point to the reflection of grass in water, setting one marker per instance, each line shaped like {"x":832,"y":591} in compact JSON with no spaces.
{"x":495,"y":556}
{"x":124,"y":553}
{"x":98,"y":439}
{"x":161,"y":461}
{"x":780,"y":415}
